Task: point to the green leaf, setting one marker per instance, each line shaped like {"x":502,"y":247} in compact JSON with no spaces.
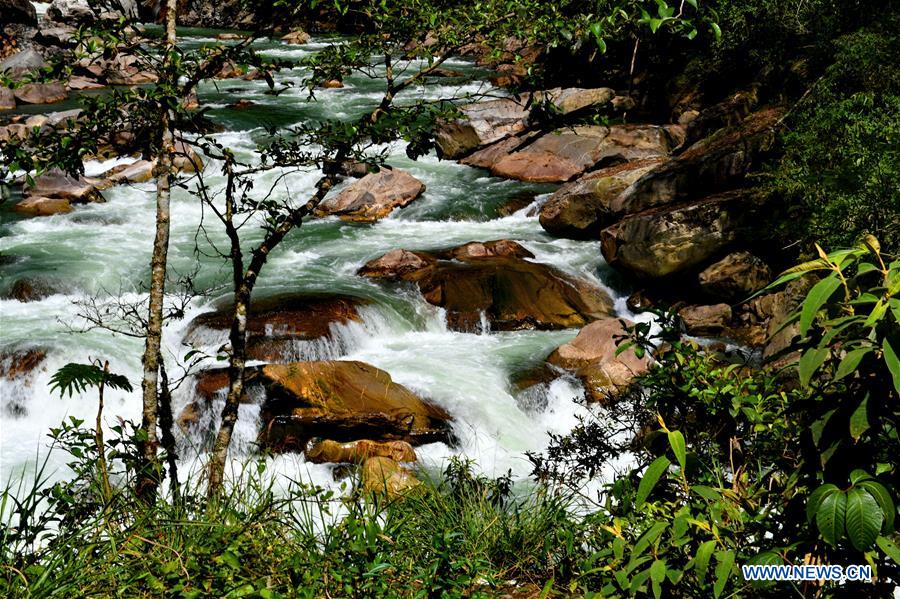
{"x":815,"y":299}
{"x":717,"y":31}
{"x":657,"y":575}
{"x":809,"y":363}
{"x":884,"y":499}
{"x":676,"y":441}
{"x":646,"y":539}
{"x":650,"y":478}
{"x":863,"y":520}
{"x":701,"y":560}
{"x":816,"y":498}
{"x":889,"y":547}
{"x":892,"y":361}
{"x":725,"y":561}
{"x":850,"y":362}
{"x":859,"y":420}
{"x":707,"y":492}
{"x":830,"y":517}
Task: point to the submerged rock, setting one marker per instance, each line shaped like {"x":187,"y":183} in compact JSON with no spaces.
{"x":343,"y":400}
{"x":16,"y":363}
{"x":297,"y":37}
{"x":373,"y":197}
{"x":592,"y":355}
{"x":496,"y":283}
{"x":359,"y":451}
{"x":276,"y":324}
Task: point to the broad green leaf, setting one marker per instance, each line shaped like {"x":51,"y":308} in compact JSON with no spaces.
{"x":830,"y":517}
{"x":707,"y":492}
{"x":884,"y":499}
{"x":723,"y":571}
{"x":859,"y":420}
{"x":646,"y":539}
{"x":889,"y":547}
{"x":701,"y":560}
{"x":650,"y":478}
{"x":816,"y":498}
{"x":859,"y":475}
{"x":676,"y":441}
{"x":850,"y":362}
{"x":892,"y":361}
{"x":863,"y":519}
{"x":657,"y":575}
{"x":815,"y":299}
{"x":809,"y":363}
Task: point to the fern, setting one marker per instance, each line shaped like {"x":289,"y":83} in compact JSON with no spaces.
{"x":76,"y":378}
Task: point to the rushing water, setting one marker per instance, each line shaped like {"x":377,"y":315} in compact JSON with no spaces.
{"x":103,"y":250}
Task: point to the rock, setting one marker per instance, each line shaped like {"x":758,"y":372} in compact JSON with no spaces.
{"x":778,"y":307}
{"x":492,"y":154}
{"x":662,"y":242}
{"x":592,"y":355}
{"x":230,"y":37}
{"x":735,"y":276}
{"x":30,"y":290}
{"x":242,"y":105}
{"x":297,"y":37}
{"x":82,"y":83}
{"x":343,"y":400}
{"x":41,"y":206}
{"x":186,"y":160}
{"x":373,"y":197}
{"x":80,"y":11}
{"x":41,"y":93}
{"x":398,"y":264}
{"x":710,"y":166}
{"x":446,"y":73}
{"x":511,"y":293}
{"x":582,"y":208}
{"x":276,"y":325}
{"x":57,"y":184}
{"x":359,"y":451}
{"x":14,"y":131}
{"x":384,"y":476}
{"x":60,"y":35}
{"x":18,"y":11}
{"x":139,"y":171}
{"x":706,"y":321}
{"x":474,"y":250}
{"x":728,"y":113}
{"x":484,"y":123}
{"x":566,"y":153}
{"x":26,"y":61}
{"x":333,"y":84}
{"x":7,"y":99}
{"x":126,"y":69}
{"x":639,"y":302}
{"x":192,"y":101}
{"x":17,"y":363}
{"x":189,"y":417}
{"x":230,"y":70}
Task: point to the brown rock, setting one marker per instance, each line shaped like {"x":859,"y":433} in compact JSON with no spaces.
{"x":7,"y":99}
{"x":228,"y":36}
{"x":481,"y":124}
{"x":242,"y":105}
{"x":41,"y":93}
{"x":582,"y":208}
{"x":275,"y":325}
{"x":397,"y":264}
{"x":189,"y":417}
{"x":230,"y":70}
{"x":492,"y":154}
{"x":79,"y":83}
{"x":30,"y":290}
{"x":706,"y":321}
{"x":592,"y":355}
{"x":186,"y":159}
{"x":333,"y":84}
{"x":359,"y":451}
{"x":57,"y":184}
{"x":735,"y":276}
{"x":297,"y":37}
{"x":41,"y":206}
{"x":779,"y":306}
{"x":384,"y":476}
{"x":139,"y":171}
{"x":374,"y":196}
{"x":343,"y":400}
{"x":17,"y":363}
{"x":501,"y":248}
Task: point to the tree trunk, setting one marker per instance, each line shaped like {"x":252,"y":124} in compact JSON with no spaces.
{"x":149,"y":478}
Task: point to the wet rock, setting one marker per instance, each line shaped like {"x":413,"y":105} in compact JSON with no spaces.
{"x":189,"y":417}
{"x":735,"y":276}
{"x":582,"y":208}
{"x":41,"y":206}
{"x":18,"y":11}
{"x":125,"y":69}
{"x":359,"y":451}
{"x":713,"y":165}
{"x":639,"y":301}
{"x":79,"y":83}
{"x":662,"y":242}
{"x":297,"y":37}
{"x":31,"y":290}
{"x":275,"y":325}
{"x":69,"y":11}
{"x":501,"y":248}
{"x":139,"y":171}
{"x":706,"y":321}
{"x":482,"y":123}
{"x":186,"y":159}
{"x":57,"y":184}
{"x":230,"y":70}
{"x":492,"y":154}
{"x":510,"y":292}
{"x":384,"y":476}
{"x":333,"y":84}
{"x":343,"y":400}
{"x":566,"y":153}
{"x":373,"y":197}
{"x":592,"y":356}
{"x":21,"y":362}
{"x":446,"y":73}
{"x":242,"y":105}
{"x":7,"y":99}
{"x":230,"y":36}
{"x":41,"y":93}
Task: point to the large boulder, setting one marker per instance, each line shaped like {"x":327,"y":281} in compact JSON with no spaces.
{"x":374,"y":196}
{"x":297,"y":37}
{"x":343,"y":401}
{"x":715,"y":164}
{"x":582,"y":208}
{"x":508,"y":291}
{"x":385,"y":476}
{"x":561,"y":155}
{"x":658,"y":243}
{"x":41,"y":93}
{"x":735,"y":276}
{"x":18,"y":11}
{"x":26,"y":61}
{"x":593,"y":356}
{"x":706,"y":321}
{"x":80,"y":11}
{"x":41,"y":206}
{"x":57,"y":184}
{"x":359,"y":451}
{"x":278,"y":327}
{"x":484,"y":123}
